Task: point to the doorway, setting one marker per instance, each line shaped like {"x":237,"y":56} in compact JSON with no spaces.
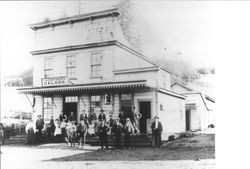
{"x":188,"y":119}
{"x":70,"y":105}
{"x":145,"y":110}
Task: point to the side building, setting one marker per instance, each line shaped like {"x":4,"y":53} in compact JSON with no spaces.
{"x":84,"y":62}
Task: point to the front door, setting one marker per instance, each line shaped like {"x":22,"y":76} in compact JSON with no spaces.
{"x":70,"y":105}
{"x":145,"y":110}
{"x":188,"y":114}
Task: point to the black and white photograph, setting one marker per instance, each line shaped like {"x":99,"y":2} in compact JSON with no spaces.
{"x":116,"y":84}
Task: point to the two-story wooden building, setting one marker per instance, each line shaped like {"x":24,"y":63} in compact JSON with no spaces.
{"x":84,"y":62}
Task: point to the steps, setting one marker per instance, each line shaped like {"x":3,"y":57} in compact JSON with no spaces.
{"x":18,"y":139}
{"x":136,"y":140}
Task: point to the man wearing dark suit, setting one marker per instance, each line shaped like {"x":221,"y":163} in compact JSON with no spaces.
{"x":102,"y":116}
{"x":39,"y":127}
{"x":156,"y":132}
{"x":103,"y":134}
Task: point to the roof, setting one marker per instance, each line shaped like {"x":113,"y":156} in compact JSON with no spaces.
{"x":182,"y":85}
{"x":203,"y":97}
{"x":84,"y":87}
{"x":171,"y":93}
{"x":76,"y":18}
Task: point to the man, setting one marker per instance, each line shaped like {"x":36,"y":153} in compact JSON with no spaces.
{"x":156,"y":132}
{"x":39,"y":127}
{"x":71,"y":117}
{"x":81,"y":133}
{"x":103,"y":134}
{"x":102,"y":116}
{"x":92,"y":117}
{"x":128,"y":130}
{"x":84,"y":117}
{"x":111,"y":123}
{"x":51,"y":128}
{"x":62,"y":116}
{"x":117,"y":130}
{"x":122,"y":117}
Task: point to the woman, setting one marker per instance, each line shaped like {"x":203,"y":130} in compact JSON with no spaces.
{"x":128,"y":130}
{"x":30,"y":132}
{"x":58,"y":131}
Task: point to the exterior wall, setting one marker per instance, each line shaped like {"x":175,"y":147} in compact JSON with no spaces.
{"x":126,"y":60}
{"x":150,"y":76}
{"x":164,"y":79}
{"x":173,"y":114}
{"x":179,"y":89}
{"x":38,"y":108}
{"x":198,"y":116}
{"x":98,"y":30}
{"x":83,"y":65}
{"x":57,"y":106}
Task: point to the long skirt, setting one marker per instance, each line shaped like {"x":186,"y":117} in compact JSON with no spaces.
{"x":30,"y":136}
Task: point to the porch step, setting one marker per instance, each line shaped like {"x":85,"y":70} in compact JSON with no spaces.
{"x":18,"y":139}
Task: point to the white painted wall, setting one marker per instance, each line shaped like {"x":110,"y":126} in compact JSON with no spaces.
{"x":164,"y":76}
{"x":173,"y":114}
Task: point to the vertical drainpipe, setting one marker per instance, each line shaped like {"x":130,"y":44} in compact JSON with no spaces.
{"x":156,"y":92}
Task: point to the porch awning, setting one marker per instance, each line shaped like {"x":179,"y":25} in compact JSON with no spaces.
{"x":83,"y":87}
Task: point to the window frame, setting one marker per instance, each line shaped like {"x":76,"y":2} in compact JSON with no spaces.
{"x":95,"y":101}
{"x":48,"y":67}
{"x":47,"y":106}
{"x":96,"y":64}
{"x":70,"y":68}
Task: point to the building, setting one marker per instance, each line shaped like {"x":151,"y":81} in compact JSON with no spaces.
{"x":84,"y":62}
{"x":199,"y":107}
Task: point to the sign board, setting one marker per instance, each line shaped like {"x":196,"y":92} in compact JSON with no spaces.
{"x":55,"y":81}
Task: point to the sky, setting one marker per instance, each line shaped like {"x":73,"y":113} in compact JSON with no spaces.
{"x":171,"y":29}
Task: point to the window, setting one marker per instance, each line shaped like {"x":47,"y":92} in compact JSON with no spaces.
{"x":71,"y":66}
{"x":47,"y":107}
{"x":48,"y":67}
{"x":96,"y":59}
{"x":107,"y":99}
{"x":95,"y":101}
{"x":71,"y":99}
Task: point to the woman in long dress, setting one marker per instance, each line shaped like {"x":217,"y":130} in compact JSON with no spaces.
{"x":30,"y":132}
{"x":58,"y":131}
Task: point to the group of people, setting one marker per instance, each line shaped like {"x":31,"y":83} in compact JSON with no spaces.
{"x":126,"y":124}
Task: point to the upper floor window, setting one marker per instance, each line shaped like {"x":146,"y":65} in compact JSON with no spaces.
{"x":47,"y":107}
{"x":48,"y":67}
{"x":71,"y":66}
{"x":96,"y":59}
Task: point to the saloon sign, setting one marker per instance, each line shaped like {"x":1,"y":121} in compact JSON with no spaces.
{"x":55,"y":81}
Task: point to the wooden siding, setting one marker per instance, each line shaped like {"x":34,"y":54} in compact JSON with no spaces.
{"x":173,"y":114}
{"x":98,"y":30}
{"x":179,"y":89}
{"x":161,"y":80}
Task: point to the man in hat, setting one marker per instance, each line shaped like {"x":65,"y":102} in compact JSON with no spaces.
{"x":39,"y":127}
{"x":103,"y":134}
{"x":102,"y":116}
{"x":117,"y":130}
{"x":156,"y":132}
{"x":84,"y":117}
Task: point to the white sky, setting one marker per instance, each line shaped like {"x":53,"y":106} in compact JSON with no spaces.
{"x":177,"y":26}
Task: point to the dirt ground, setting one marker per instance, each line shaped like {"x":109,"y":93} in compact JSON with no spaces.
{"x":186,"y":153}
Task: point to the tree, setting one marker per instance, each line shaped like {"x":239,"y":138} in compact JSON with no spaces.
{"x":126,"y":21}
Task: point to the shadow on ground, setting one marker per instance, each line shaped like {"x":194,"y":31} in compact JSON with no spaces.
{"x":194,"y":148}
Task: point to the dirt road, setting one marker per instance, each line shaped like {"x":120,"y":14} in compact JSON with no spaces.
{"x":189,"y":153}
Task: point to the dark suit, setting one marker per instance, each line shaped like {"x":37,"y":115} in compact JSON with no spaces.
{"x":102,"y":131}
{"x":39,"y":127}
{"x":117,"y":130}
{"x":156,"y":133}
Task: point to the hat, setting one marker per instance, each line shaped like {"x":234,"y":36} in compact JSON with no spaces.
{"x":39,"y":115}
{"x":156,"y":117}
{"x":83,"y":110}
{"x":102,"y":110}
